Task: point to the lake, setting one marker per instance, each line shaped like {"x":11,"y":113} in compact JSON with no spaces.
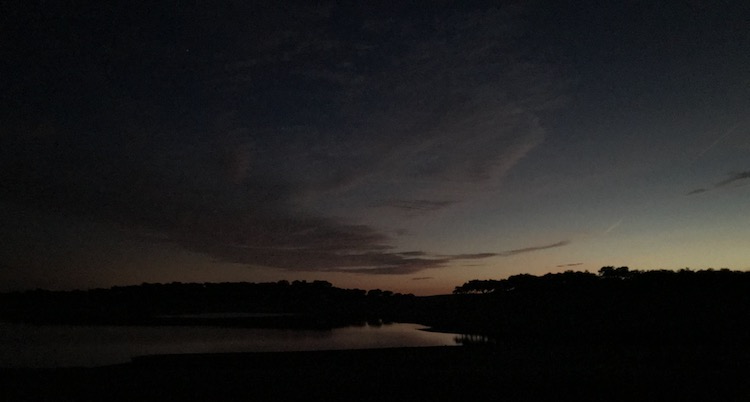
{"x":24,"y":345}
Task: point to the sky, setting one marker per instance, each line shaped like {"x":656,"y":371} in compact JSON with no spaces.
{"x":408,"y":147}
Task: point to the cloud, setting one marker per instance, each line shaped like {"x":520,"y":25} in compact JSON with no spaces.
{"x":575,"y":264}
{"x":718,"y":139}
{"x":311,"y":244}
{"x":422,"y":278}
{"x":532,"y":249}
{"x":477,"y":256}
{"x":341,"y":254}
{"x":413,"y":253}
{"x":400,"y":270}
{"x":614,"y":225}
{"x":733,"y":178}
{"x":416,"y":205}
{"x":296,"y":126}
{"x":399,"y":106}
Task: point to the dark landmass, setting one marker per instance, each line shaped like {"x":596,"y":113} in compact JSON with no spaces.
{"x":514,"y":372}
{"x":282,"y":304}
{"x":615,"y":303}
{"x":615,"y":335}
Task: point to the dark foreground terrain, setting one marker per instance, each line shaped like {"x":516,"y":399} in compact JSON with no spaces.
{"x":590,"y":371}
{"x":618,"y":335}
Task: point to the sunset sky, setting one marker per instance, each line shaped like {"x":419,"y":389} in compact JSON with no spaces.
{"x":409,"y":147}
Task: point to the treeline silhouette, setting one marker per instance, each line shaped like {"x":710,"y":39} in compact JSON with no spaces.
{"x":613,"y":305}
{"x":316,"y":304}
{"x":618,"y":334}
{"x":580,"y":280}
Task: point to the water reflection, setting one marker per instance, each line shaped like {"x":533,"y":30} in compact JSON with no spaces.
{"x":474,"y":340}
{"x":23,"y":345}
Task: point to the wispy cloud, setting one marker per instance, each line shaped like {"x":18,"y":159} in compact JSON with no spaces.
{"x":320,"y":245}
{"x":402,"y":269}
{"x":406,"y":127}
{"x":361,"y":254}
{"x":733,"y":178}
{"x":575,"y":264}
{"x":614,"y":225}
{"x":718,"y":139}
{"x":413,"y":253}
{"x":477,"y":256}
{"x":416,"y":205}
{"x":422,"y":114}
{"x":532,"y":249}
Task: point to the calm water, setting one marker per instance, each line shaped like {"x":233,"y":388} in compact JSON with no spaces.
{"x":24,"y":345}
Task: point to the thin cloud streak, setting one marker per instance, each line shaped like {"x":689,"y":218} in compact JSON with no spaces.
{"x":349,"y":261}
{"x":614,"y":225}
{"x":575,"y":264}
{"x":478,"y":256}
{"x":416,"y":205}
{"x":731,"y":179}
{"x":734,"y":178}
{"x":413,"y":254}
{"x":532,"y":249}
{"x":713,"y":144}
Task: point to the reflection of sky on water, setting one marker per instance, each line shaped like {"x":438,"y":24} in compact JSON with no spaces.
{"x":24,"y":345}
